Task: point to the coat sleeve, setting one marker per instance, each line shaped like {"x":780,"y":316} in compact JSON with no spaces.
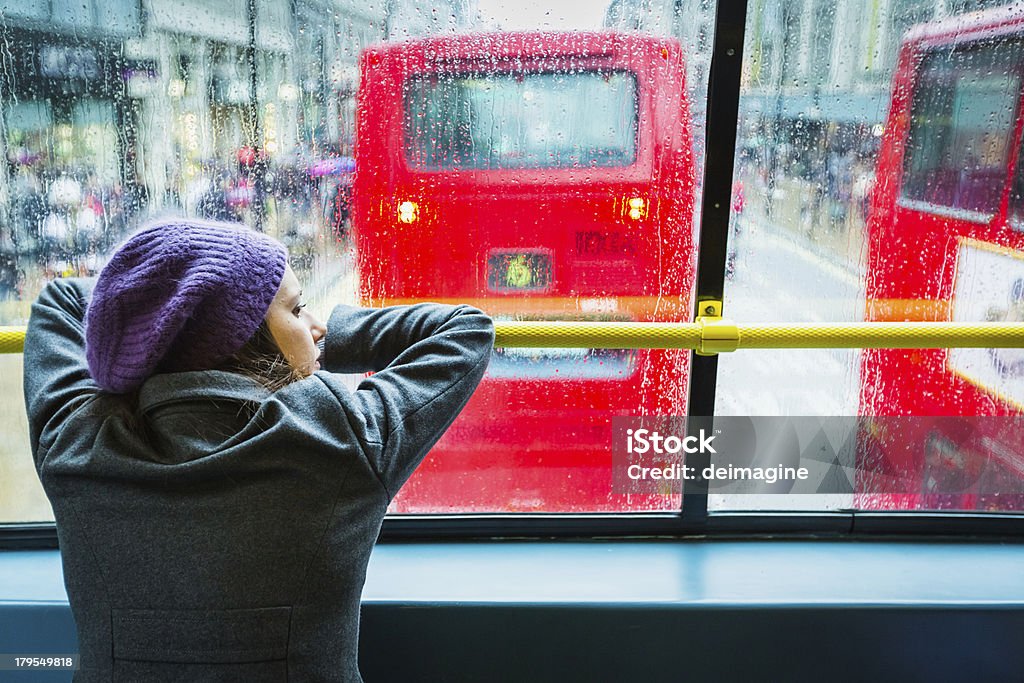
{"x":427,"y":360}
{"x":56,"y":375}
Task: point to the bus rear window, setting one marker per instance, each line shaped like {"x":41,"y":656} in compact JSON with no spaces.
{"x":962,"y":127}
{"x":561,"y":364}
{"x":508,"y":121}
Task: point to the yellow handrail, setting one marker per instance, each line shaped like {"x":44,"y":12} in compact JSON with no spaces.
{"x":710,"y":335}
{"x":12,"y":339}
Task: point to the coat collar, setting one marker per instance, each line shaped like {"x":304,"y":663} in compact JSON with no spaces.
{"x":176,"y":387}
{"x":192,"y":414}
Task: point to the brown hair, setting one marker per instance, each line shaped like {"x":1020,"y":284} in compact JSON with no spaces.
{"x":261,"y":359}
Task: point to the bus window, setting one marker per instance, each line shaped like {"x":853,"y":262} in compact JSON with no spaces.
{"x":537,"y":120}
{"x":563,"y":364}
{"x":961,"y":128}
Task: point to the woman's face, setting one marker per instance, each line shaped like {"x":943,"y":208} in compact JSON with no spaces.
{"x":295,"y":330}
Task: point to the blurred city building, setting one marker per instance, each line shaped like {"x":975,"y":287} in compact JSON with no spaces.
{"x":117,"y":109}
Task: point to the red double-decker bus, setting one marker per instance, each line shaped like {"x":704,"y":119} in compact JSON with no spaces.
{"x":536,"y":176}
{"x":946,"y":242}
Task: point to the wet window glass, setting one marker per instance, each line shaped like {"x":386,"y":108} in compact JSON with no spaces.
{"x":110,"y":118}
{"x":532,"y":120}
{"x":961,"y":127}
{"x":545,"y":161}
{"x":334,"y":132}
{"x":870,"y":184}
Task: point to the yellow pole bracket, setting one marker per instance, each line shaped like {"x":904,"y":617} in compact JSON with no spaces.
{"x":717,"y":334}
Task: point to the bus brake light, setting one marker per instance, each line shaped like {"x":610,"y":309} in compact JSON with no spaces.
{"x":408,"y":212}
{"x":637,"y":208}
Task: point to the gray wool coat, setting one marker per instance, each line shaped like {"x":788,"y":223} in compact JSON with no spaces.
{"x":231,"y":542}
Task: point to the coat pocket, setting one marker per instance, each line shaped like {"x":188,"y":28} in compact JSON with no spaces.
{"x":201,"y":636}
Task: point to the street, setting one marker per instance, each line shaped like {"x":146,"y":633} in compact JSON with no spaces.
{"x":779,"y":278}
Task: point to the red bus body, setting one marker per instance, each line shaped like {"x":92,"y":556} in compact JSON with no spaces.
{"x":571,"y":232}
{"x":946,"y":242}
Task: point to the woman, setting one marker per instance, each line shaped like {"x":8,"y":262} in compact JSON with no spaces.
{"x":217,"y":489}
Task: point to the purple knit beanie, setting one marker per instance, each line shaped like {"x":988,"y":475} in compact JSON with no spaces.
{"x":177,"y":296}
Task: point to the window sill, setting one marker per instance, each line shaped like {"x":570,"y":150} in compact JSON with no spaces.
{"x":648,"y":610}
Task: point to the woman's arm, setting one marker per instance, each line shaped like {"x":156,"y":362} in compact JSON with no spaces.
{"x":427,"y":359}
{"x":56,"y":376}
